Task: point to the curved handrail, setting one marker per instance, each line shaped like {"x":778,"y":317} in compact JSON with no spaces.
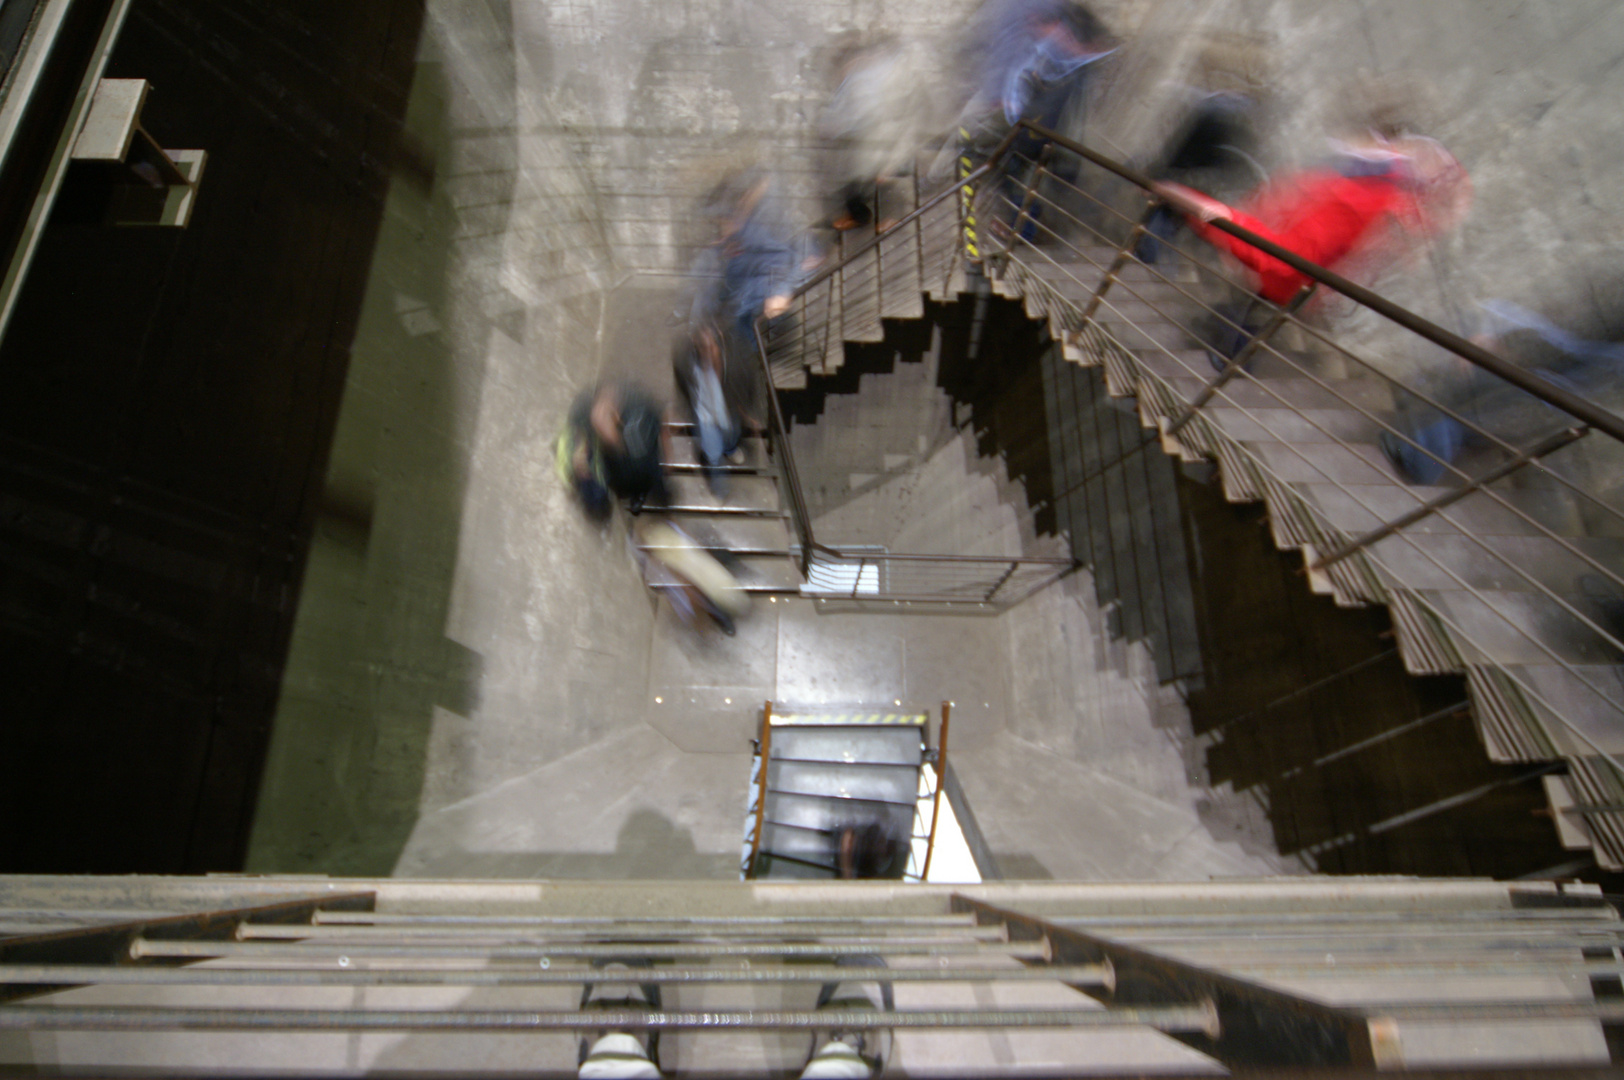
{"x":1549,"y":393}
{"x":1589,"y":414}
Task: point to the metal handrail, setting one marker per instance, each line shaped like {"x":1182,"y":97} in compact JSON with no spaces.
{"x":1552,"y":395}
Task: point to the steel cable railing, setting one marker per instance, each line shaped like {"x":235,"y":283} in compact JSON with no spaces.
{"x":1487,"y":634}
{"x":1309,"y":429}
{"x":900,"y":578}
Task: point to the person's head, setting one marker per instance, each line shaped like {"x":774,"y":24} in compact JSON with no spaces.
{"x":1084,"y":28}
{"x":869,"y":851}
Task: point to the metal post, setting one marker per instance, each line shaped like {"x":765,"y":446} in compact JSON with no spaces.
{"x":765,"y":746}
{"x":967,"y":209}
{"x":936,"y":798}
{"x":1038,"y":171}
{"x":1237,"y":363}
{"x":1432,"y":506}
{"x":1124,"y":253}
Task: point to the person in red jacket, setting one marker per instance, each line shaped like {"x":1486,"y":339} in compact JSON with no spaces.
{"x":1370,"y":203}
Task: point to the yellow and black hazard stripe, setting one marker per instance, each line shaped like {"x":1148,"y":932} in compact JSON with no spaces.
{"x":967,"y":196}
{"x":853,"y":719}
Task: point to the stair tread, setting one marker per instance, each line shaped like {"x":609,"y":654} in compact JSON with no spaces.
{"x":1295,"y":393}
{"x":818,"y":812}
{"x":893,"y":784}
{"x":1574,"y":695}
{"x":893,"y":745}
{"x":1514,"y":628}
{"x":1508,"y":566}
{"x":1358,"y":508}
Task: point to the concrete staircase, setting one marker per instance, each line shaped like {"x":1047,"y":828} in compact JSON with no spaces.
{"x":828,"y":771}
{"x":745,"y":524}
{"x":1302,"y":438}
{"x":1304,"y":442}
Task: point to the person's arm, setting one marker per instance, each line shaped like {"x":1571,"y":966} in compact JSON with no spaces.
{"x":606,"y":417}
{"x":1192,"y":203}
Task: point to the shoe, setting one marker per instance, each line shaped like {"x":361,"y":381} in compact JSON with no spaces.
{"x":851,"y":1047}
{"x":1395,"y":450}
{"x":620,"y":995}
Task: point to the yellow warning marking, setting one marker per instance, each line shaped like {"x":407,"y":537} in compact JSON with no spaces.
{"x":849,"y":719}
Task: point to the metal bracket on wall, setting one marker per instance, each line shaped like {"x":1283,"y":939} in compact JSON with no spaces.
{"x":145,"y":184}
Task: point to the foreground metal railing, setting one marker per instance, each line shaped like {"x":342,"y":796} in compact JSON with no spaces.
{"x":1508,"y":568}
{"x":1305,"y":974}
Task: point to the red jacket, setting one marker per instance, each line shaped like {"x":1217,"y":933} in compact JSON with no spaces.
{"x":1320,"y":215}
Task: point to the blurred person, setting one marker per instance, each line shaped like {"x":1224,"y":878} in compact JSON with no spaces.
{"x":1215,"y":141}
{"x":1374,"y":200}
{"x":869,"y":850}
{"x":749,"y":271}
{"x":1025,"y":55}
{"x":1027,"y":59}
{"x":617,"y":444}
{"x":1590,"y":368}
{"x":698,"y":367}
{"x":610,"y":1054}
{"x":878,"y":117}
{"x":580,"y":465}
{"x":696,"y":573}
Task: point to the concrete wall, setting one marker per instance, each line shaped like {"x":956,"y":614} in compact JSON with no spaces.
{"x":1524,"y":93}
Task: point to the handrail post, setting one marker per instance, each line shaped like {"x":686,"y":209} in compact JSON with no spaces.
{"x":936,"y":797}
{"x":1124,"y":253}
{"x":791,"y":477}
{"x":1237,"y":363}
{"x":765,"y":746}
{"x":857,"y":581}
{"x":1040,"y":168}
{"x":1546,"y":446}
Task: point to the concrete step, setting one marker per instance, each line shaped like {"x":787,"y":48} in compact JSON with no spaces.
{"x":1588,"y":696}
{"x":1292,"y":425}
{"x":1245,"y":392}
{"x":816,"y":812}
{"x":849,"y":743}
{"x":753,"y":534}
{"x":1502,"y":563}
{"x":902,"y":287}
{"x":816,"y":846}
{"x":1358,"y":508}
{"x":690,"y":487}
{"x":897,"y":784}
{"x":1490,"y":626}
{"x":765,"y":574}
{"x":1317,"y":462}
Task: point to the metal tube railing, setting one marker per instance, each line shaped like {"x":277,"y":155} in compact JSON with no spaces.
{"x":1460,"y":633}
{"x":1570,"y":403}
